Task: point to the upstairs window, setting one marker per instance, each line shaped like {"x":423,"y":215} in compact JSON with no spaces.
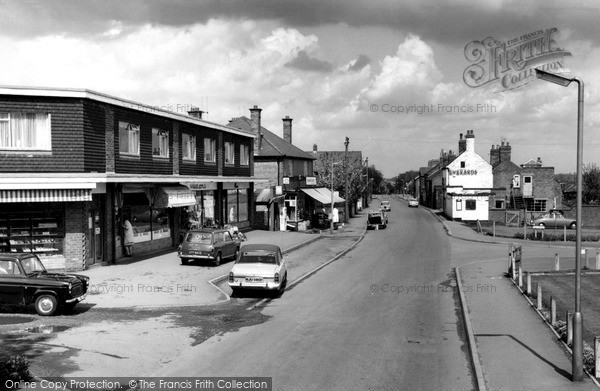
{"x":188,"y":142}
{"x":244,"y":155}
{"x":210,"y":150}
{"x":129,"y":139}
{"x":25,"y":131}
{"x":229,"y":153}
{"x":160,"y":143}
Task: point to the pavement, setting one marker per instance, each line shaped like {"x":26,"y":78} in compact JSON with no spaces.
{"x":514,"y":349}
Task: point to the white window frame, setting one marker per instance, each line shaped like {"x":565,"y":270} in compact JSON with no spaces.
{"x":188,"y":143}
{"x":15,"y":134}
{"x":210,"y":150}
{"x":133,"y":138}
{"x":229,"y":153}
{"x":162,"y":140}
{"x":244,"y":155}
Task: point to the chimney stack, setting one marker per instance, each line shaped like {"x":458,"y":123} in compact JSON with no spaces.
{"x":462,"y":144}
{"x":195,"y":112}
{"x":505,"y":152}
{"x":470,"y":141}
{"x":287,"y":129}
{"x":255,"y":127}
{"x":315,"y":148}
{"x":494,"y":156}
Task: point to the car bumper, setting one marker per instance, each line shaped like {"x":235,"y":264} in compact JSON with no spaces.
{"x":263,"y":286}
{"x":376,"y":226}
{"x":196,"y":256}
{"x":77,"y":299}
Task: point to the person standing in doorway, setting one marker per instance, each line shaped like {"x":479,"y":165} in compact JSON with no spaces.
{"x":128,"y":238}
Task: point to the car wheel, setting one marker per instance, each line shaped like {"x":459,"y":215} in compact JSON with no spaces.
{"x":46,"y":305}
{"x":573,"y":226}
{"x":218,"y":259}
{"x":184,"y":261}
{"x":542,"y":225}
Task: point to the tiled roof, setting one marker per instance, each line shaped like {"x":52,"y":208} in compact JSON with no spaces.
{"x":272,"y":145}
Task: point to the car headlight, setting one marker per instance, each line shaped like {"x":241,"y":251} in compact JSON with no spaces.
{"x":231,"y":277}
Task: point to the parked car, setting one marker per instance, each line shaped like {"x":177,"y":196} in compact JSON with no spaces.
{"x":208,"y":243}
{"x":554,"y":219}
{"x":376,"y":219}
{"x":259,"y":267}
{"x":386,"y":206}
{"x":412,"y":202}
{"x":24,"y":280}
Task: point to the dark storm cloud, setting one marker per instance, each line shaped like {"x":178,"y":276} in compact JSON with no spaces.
{"x":443,"y":23}
{"x":306,"y":63}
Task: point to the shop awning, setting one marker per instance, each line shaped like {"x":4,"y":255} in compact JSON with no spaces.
{"x":45,"y":195}
{"x":322,"y":195}
{"x":173,"y":197}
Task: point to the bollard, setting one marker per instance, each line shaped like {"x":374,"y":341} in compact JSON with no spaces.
{"x":597,"y":260}
{"x":509,"y":258}
{"x":494,"y":227}
{"x":597,"y":356}
{"x":539,"y":297}
{"x":569,"y":328}
{"x":587,"y":259}
{"x":556,"y":262}
{"x":552,"y":311}
{"x":564,"y":234}
{"x":520,"y":277}
{"x":514,"y":276}
{"x":528,"y":283}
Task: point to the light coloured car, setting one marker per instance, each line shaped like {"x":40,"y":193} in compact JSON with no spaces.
{"x":412,"y":202}
{"x":259,"y":267}
{"x":385,"y":205}
{"x":554,"y":219}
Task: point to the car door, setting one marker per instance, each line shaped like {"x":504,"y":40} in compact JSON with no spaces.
{"x":282,"y":265}
{"x":12,"y":283}
{"x":229,"y":244}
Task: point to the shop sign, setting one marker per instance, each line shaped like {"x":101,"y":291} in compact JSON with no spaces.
{"x":512,"y":63}
{"x":286,"y":180}
{"x":202,"y":186}
{"x":463,"y":172}
{"x":311,"y":181}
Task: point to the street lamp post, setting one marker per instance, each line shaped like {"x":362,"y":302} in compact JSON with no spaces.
{"x":577,"y":361}
{"x":346,"y":211}
{"x":368,"y":182}
{"x":331,"y":219}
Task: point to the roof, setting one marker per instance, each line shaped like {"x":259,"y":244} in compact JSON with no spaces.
{"x":272,"y":145}
{"x":109,"y":99}
{"x":260,"y":247}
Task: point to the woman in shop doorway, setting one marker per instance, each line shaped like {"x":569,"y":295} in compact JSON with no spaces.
{"x":128,"y":238}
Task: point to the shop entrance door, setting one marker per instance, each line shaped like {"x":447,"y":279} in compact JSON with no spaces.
{"x":96,"y":236}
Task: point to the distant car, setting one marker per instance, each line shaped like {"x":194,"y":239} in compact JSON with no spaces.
{"x":210,"y":244}
{"x":385,"y":205}
{"x":24,"y":280}
{"x":376,"y":220}
{"x":259,"y":267}
{"x":554,"y":219}
{"x":412,"y":202}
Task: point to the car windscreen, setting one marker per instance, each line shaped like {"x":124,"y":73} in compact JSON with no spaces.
{"x":199,"y":237}
{"x":258,"y":258}
{"x":31,"y":265}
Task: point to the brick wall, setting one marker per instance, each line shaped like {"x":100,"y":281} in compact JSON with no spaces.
{"x":267,"y":170}
{"x":75,"y":228}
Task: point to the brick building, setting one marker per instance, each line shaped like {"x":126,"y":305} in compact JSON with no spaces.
{"x":77,"y":163}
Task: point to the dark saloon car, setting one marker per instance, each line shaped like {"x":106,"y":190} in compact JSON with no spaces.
{"x":24,"y":281}
{"x":208,"y":243}
{"x":376,"y":220}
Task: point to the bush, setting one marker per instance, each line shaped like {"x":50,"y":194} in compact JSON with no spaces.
{"x":550,"y":237}
{"x":15,"y":368}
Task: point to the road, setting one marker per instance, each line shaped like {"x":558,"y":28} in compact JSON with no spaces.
{"x":383,"y":317}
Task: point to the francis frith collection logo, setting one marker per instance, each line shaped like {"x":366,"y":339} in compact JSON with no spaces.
{"x":512,"y":63}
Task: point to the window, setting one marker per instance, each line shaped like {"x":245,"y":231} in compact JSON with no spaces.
{"x":188,"y":146}
{"x":210,"y":150}
{"x":25,"y":131}
{"x":462,"y":164}
{"x":470,"y":205}
{"x":458,"y":205}
{"x":229,"y":153}
{"x":536,"y":205}
{"x":244,"y":155}
{"x":160,"y":143}
{"x":129,"y":138}
{"x":499,"y":204}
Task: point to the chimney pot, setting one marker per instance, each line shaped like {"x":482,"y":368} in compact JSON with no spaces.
{"x":287,"y":129}
{"x":314,"y":148}
{"x":195,"y":112}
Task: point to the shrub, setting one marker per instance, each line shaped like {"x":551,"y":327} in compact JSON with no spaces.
{"x":15,"y":368}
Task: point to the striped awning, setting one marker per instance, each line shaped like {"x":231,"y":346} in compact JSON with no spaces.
{"x":45,"y":195}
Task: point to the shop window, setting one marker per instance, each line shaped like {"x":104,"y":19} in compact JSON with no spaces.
{"x":25,"y":131}
{"x":39,"y":232}
{"x":160,"y":143}
{"x":188,"y":147}
{"x":229,"y":153}
{"x":236,"y":205}
{"x":210,"y":150}
{"x":243,"y":204}
{"x":129,"y":139}
{"x":244,"y":155}
{"x":148,"y":224}
{"x":470,"y":205}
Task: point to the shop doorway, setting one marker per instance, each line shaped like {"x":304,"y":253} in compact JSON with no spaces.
{"x":96,"y":237}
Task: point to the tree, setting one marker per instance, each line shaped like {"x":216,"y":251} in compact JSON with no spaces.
{"x":591,"y":184}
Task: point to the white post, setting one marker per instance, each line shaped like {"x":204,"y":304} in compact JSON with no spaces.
{"x":539,"y":297}
{"x":569,"y":327}
{"x":528,"y":283}
{"x":552,"y":310}
{"x":556,"y":262}
{"x":597,"y":260}
{"x":520,"y":277}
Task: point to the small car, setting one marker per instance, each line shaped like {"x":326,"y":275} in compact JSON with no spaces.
{"x":376,"y":220}
{"x":24,"y":280}
{"x":210,"y":244}
{"x":259,"y":267}
{"x":554,"y":219}
{"x":412,"y":202}
{"x":386,"y":206}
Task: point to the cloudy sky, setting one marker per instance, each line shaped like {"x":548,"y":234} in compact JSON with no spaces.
{"x":338,"y":68}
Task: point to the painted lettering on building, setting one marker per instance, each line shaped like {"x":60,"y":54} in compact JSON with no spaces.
{"x":462,"y":171}
{"x":512,"y":63}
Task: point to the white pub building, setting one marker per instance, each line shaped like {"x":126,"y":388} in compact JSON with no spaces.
{"x":468,"y":182}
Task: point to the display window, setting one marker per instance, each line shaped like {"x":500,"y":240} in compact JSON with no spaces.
{"x":39,"y":232}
